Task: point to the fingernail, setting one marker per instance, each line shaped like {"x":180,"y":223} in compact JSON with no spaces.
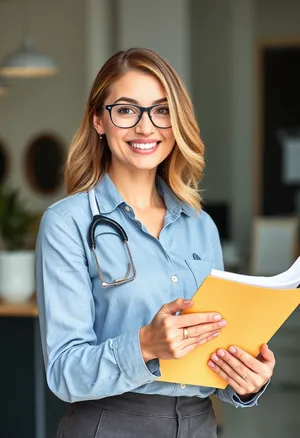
{"x":221,"y":353}
{"x":232,"y":350}
{"x":267,"y":346}
{"x":217,"y":317}
{"x":216,"y":334}
{"x":215,"y":357}
{"x":211,"y":364}
{"x":222,"y":323}
{"x":187,"y":301}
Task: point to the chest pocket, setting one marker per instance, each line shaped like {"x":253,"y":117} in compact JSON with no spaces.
{"x":200,"y":269}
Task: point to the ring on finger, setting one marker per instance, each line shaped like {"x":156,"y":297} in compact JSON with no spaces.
{"x":245,"y":376}
{"x":185,"y":333}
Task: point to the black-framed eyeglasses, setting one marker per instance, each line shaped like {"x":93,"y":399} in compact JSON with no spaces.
{"x":124,"y":115}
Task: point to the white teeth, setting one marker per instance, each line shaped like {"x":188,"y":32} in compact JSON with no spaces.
{"x":143,"y":145}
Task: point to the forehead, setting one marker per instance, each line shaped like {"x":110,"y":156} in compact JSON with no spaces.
{"x":141,"y":86}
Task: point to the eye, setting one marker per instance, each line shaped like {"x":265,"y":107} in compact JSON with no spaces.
{"x":126,"y":110}
{"x":163,"y":110}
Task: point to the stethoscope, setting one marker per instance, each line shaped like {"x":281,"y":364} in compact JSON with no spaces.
{"x":99,"y":219}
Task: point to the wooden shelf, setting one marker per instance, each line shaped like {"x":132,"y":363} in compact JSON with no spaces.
{"x":19,"y":309}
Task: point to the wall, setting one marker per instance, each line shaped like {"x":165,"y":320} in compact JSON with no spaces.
{"x":203,"y":39}
{"x":223,"y":43}
{"x":51,"y":104}
{"x":211,"y":82}
{"x":277,"y":18}
{"x":159,"y":25}
{"x":79,"y":42}
{"x":101,"y":35}
{"x":222,"y":40}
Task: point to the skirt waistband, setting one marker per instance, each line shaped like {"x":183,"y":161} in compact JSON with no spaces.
{"x":154,"y":405}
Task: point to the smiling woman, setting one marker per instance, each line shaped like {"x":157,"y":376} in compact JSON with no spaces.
{"x":115,"y":264}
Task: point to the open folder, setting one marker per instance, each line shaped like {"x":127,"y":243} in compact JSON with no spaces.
{"x":254,"y":308}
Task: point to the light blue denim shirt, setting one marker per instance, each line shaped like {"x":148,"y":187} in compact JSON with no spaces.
{"x":90,"y":334}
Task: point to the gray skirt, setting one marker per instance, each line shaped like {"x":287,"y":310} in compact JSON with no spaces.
{"x":134,"y":415}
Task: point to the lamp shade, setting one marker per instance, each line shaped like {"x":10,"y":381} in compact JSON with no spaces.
{"x":27,"y":62}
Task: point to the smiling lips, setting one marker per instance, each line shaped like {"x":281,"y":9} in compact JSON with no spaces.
{"x":144,"y":146}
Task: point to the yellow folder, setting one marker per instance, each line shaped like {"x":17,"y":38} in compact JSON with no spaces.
{"x":253,"y":315}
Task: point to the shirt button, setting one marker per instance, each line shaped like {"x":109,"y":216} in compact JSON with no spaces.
{"x":182,"y":386}
{"x":174,"y":279}
{"x":127,"y":208}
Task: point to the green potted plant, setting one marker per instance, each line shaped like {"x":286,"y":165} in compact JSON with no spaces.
{"x":16,"y":256}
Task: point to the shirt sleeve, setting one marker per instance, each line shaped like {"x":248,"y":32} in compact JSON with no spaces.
{"x":228,"y":394}
{"x":77,"y":366}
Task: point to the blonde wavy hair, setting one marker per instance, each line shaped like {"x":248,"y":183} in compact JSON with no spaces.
{"x":89,"y":156}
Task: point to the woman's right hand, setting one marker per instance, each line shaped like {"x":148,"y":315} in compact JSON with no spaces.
{"x":163,"y":338}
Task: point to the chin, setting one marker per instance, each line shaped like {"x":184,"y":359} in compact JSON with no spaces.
{"x":144,"y":167}
{"x":144,"y":163}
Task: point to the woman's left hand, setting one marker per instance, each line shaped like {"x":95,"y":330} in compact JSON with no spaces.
{"x":243,"y":372}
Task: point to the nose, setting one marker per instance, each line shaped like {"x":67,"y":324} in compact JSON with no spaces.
{"x":145,"y":126}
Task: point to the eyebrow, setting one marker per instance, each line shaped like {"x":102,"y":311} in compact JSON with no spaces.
{"x":135,"y":102}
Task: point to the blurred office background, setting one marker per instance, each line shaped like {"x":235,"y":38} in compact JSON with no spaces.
{"x":240,"y":60}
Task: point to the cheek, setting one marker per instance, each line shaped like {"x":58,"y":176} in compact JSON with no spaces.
{"x":115,"y":136}
{"x":170,"y":139}
{"x":169,"y":135}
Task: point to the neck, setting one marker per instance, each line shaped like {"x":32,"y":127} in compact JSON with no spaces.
{"x":136,"y":187}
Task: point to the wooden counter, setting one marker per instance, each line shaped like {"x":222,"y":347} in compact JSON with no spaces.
{"x":28,"y":309}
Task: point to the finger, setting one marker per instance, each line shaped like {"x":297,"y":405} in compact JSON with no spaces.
{"x":235,"y":369}
{"x":198,"y":330}
{"x":267,"y":356}
{"x":192,"y":343}
{"x":176,"y":306}
{"x":203,"y":336}
{"x":251,"y":362}
{"x":239,"y":388}
{"x":191,"y":319}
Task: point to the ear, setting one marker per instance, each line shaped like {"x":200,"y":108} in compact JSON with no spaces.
{"x":98,"y":124}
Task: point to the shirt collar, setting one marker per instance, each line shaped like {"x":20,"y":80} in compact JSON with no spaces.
{"x":107,"y":195}
{"x":173,"y":204}
{"x":109,"y":198}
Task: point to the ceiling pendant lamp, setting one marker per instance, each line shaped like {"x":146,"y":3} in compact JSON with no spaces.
{"x":27,"y":61}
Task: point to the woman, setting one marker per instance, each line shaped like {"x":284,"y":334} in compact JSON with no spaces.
{"x":109,"y":307}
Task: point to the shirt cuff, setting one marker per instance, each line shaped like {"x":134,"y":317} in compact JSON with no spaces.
{"x":130,"y":360}
{"x":253,"y":401}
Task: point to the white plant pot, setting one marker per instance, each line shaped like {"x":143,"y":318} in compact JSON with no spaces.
{"x":16,"y":276}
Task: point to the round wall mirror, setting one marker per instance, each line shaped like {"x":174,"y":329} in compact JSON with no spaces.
{"x":44,"y":159}
{"x":3,"y":162}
